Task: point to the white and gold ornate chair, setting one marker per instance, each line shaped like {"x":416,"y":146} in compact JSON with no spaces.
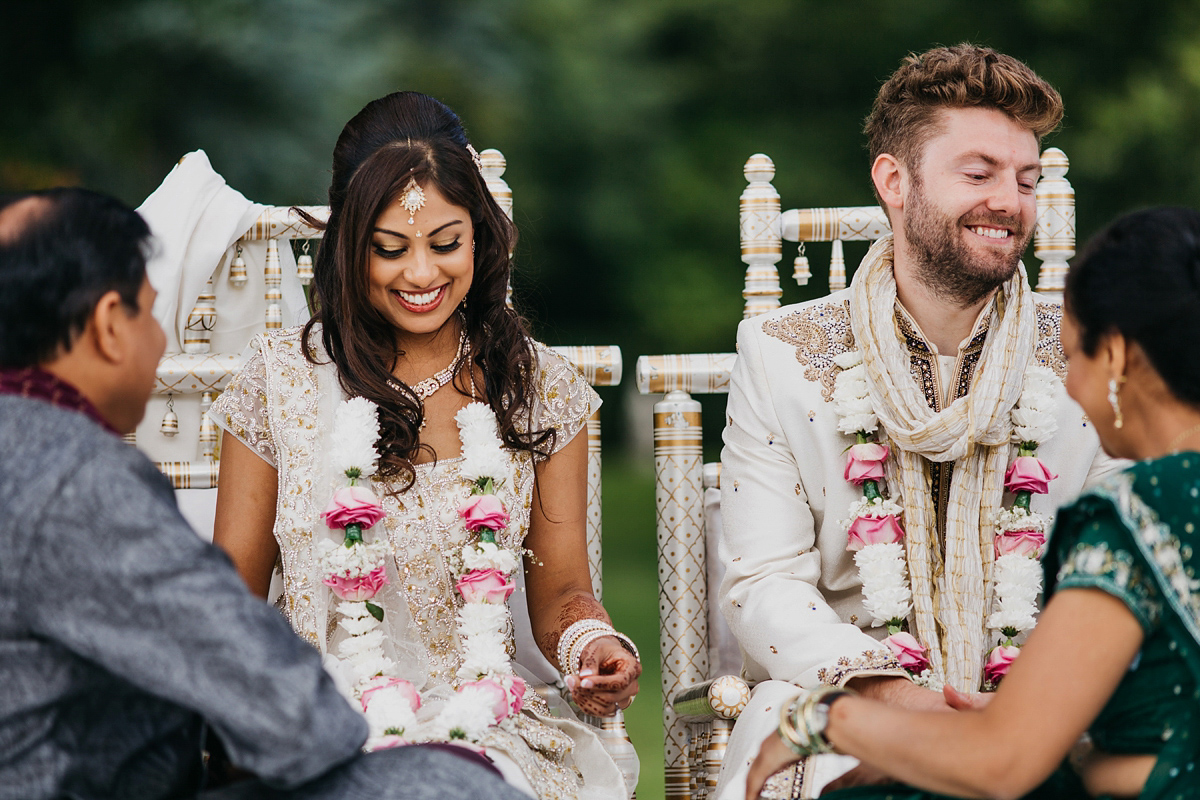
{"x":184,"y":442}
{"x":702,"y":691}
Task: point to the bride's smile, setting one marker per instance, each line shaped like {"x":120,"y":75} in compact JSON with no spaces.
{"x":420,"y":271}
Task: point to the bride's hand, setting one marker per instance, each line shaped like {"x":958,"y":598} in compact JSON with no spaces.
{"x":607,"y":678}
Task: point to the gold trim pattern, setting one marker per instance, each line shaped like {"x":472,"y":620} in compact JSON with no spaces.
{"x":819,"y":333}
{"x":1049,"y":351}
{"x":871,"y":662}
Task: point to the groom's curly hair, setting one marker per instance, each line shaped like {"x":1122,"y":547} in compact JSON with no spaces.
{"x":906,"y":111}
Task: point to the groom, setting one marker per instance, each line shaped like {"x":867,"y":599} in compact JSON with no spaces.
{"x":130,"y":650}
{"x":946,"y":326}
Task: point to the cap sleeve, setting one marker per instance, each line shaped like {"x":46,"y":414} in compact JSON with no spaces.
{"x":241,"y":409}
{"x":563,"y":400}
{"x":1092,"y":548}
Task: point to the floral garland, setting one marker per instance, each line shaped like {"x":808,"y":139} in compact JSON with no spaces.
{"x":873,"y":530}
{"x":1020,"y":532}
{"x":875,"y":534}
{"x":487,"y":692}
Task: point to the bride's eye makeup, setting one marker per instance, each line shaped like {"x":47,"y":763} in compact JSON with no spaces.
{"x":448,"y":247}
{"x":386,"y":252}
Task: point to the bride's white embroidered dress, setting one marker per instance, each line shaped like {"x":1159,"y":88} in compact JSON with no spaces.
{"x":282,"y":407}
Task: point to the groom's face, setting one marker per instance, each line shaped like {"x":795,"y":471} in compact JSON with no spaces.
{"x":969,"y":211}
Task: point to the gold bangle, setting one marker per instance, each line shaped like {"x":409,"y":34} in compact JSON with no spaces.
{"x":788,"y":731}
{"x":814,"y":728}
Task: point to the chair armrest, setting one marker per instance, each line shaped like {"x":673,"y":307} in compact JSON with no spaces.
{"x":720,"y":698}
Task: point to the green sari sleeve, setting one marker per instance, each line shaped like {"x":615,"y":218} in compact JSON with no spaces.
{"x":1091,"y":548}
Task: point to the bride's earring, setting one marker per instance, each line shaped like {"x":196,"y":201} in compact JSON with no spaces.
{"x":1114,"y":386}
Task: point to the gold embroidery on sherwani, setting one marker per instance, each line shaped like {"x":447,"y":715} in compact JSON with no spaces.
{"x":819,"y":333}
{"x":1049,"y":351}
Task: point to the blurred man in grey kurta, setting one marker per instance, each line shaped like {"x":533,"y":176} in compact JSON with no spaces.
{"x":127,"y":645}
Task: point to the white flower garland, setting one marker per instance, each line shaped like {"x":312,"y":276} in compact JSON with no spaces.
{"x":1021,"y":532}
{"x":880,"y":555}
{"x":488,"y":692}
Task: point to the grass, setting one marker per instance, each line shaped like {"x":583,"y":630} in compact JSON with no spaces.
{"x":631,"y":597}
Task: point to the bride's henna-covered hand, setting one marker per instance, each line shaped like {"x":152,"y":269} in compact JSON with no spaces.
{"x":580,"y":606}
{"x":607,"y":678}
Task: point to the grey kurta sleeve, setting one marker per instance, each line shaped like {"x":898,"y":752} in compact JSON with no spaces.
{"x":114,"y":574}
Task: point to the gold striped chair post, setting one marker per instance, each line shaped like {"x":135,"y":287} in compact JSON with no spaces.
{"x":701,"y":696}
{"x":178,"y":428}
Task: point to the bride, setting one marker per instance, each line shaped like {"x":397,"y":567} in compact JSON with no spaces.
{"x":474,"y":463}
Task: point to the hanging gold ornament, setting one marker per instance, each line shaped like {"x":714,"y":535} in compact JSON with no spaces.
{"x":237,"y":269}
{"x":170,"y":420}
{"x":800,"y":270}
{"x":304,"y":266}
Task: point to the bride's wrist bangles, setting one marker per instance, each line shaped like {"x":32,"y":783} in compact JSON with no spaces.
{"x":582,"y":633}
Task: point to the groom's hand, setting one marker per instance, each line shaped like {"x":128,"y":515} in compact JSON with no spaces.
{"x":900,"y":692}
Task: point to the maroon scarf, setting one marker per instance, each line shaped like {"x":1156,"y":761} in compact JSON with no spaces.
{"x":39,"y":384}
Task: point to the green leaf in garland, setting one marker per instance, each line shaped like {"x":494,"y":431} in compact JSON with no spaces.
{"x":374,"y":610}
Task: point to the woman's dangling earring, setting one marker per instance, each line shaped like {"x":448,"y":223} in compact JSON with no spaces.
{"x":1113,"y":387}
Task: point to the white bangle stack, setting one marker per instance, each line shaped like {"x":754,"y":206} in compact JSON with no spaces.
{"x":582,"y":633}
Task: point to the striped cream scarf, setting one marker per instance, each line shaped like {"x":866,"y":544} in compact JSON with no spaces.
{"x":951,"y":598}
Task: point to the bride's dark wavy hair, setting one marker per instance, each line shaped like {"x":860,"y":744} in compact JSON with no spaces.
{"x":395,"y":139}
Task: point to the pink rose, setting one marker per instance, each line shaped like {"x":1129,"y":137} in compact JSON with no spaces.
{"x":1020,"y":543}
{"x":910,"y":652}
{"x":484,"y":511}
{"x":1028,"y":474}
{"x":396,"y":686}
{"x":864,"y":462}
{"x":999,"y":660}
{"x":499,"y":697}
{"x":485,"y":586}
{"x":873,"y":530}
{"x":362,"y":587}
{"x":353,"y":505}
{"x":515,"y":685}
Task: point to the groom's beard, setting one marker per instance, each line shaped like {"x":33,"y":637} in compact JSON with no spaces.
{"x":946,"y":263}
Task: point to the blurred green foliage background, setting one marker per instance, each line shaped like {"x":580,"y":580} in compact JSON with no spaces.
{"x":625,"y":123}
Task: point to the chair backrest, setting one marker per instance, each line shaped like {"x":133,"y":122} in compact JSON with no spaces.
{"x":695,"y":643}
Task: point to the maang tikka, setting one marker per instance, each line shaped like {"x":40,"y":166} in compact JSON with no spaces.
{"x":413,"y":199}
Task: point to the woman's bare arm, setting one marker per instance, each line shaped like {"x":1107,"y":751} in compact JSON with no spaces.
{"x":559,"y":585}
{"x":246,"y":494}
{"x":1067,"y":671}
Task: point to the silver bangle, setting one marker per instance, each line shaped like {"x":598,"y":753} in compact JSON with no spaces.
{"x":566,"y":642}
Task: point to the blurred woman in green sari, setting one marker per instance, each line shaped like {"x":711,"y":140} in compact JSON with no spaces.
{"x":1116,"y":654}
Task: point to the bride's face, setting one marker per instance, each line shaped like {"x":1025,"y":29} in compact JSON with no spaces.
{"x":420,"y":272}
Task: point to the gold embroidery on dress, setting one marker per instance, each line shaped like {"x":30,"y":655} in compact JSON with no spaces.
{"x":819,"y":333}
{"x":422,"y":526}
{"x":1049,"y":351}
{"x":786,"y":784}
{"x":873,"y":661}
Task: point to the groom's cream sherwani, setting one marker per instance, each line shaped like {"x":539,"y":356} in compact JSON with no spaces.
{"x":791,"y":591}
